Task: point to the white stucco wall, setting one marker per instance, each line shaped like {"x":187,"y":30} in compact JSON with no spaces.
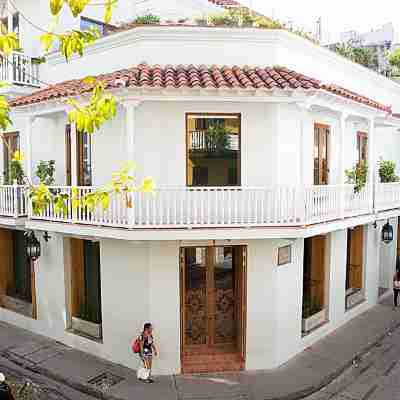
{"x":140,"y":283}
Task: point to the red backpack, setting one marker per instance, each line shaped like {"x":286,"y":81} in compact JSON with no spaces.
{"x":136,"y":346}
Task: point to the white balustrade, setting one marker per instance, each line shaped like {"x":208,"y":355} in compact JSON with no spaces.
{"x":357,"y":203}
{"x":20,"y":69}
{"x":174,"y":207}
{"x":13,"y":201}
{"x":387,"y":196}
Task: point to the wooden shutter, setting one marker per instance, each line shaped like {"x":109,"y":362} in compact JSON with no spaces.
{"x":22,"y":268}
{"x":7,"y":261}
{"x":77,"y":278}
{"x":241,"y":296}
{"x":318,"y":269}
{"x":92,"y":281}
{"x":321,"y":141}
{"x":68,"y":172}
{"x":355,"y":257}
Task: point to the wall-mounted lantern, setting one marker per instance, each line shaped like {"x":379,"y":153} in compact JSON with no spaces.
{"x":387,"y":233}
{"x":32,"y":246}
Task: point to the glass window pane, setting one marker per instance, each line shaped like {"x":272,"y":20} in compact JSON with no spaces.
{"x":213,"y":150}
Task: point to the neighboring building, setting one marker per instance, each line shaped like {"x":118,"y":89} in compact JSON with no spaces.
{"x":253,"y":246}
{"x":21,"y":69}
{"x":380,"y":41}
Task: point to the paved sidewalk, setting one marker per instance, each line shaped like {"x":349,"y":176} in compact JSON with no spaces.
{"x":308,"y":372}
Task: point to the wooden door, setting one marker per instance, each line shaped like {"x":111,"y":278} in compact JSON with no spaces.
{"x":213,"y":296}
{"x":321,"y":162}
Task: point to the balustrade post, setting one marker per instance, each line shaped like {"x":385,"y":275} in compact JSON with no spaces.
{"x":303,"y":205}
{"x":9,"y":68}
{"x":15,"y":199}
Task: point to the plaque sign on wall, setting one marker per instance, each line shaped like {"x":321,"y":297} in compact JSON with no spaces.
{"x":284,"y":255}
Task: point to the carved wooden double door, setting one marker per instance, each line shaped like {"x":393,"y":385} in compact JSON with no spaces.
{"x":213,"y":298}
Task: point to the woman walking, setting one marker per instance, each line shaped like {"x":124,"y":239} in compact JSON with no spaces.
{"x":396,"y":288}
{"x":147,"y":349}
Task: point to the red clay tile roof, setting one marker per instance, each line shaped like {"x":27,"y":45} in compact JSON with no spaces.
{"x":198,"y":77}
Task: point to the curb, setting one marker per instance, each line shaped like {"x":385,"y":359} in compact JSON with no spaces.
{"x":301,"y":394}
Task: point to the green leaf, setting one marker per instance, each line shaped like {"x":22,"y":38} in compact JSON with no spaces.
{"x":56,"y":6}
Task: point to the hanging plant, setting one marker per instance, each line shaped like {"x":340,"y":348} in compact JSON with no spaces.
{"x":357,"y":176}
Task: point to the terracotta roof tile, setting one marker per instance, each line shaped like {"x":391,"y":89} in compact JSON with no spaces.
{"x":203,"y":76}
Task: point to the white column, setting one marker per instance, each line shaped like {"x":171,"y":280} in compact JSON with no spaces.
{"x":74,"y":163}
{"x":28,"y":151}
{"x":342,"y":175}
{"x":130,"y":126}
{"x":304,"y":110}
{"x":130,"y":130}
{"x":371,"y":160}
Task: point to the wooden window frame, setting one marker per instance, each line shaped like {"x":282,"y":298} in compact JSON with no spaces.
{"x":68,"y":155}
{"x":77,"y":293}
{"x":361,"y":136}
{"x":80,"y":151}
{"x":239,"y":157}
{"x":7,"y":278}
{"x":355,"y":294}
{"x":318,"y":125}
{"x":7,"y":152}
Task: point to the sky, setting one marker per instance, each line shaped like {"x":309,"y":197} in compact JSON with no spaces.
{"x":337,"y":15}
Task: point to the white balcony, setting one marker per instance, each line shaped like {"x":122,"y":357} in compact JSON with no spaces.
{"x":179,"y":207}
{"x":13,"y":201}
{"x":387,"y":196}
{"x":183,"y":207}
{"x":19,"y":69}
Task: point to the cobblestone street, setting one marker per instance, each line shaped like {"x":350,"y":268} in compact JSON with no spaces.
{"x":374,"y":377}
{"x":27,"y":385}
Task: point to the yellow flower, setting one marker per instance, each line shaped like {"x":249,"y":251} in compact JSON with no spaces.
{"x":148,"y":185}
{"x":18,"y":156}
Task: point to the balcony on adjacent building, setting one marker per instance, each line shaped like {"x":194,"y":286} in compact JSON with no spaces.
{"x":19,"y":69}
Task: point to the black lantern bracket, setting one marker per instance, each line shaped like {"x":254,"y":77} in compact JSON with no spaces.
{"x":387,"y":233}
{"x":33,"y":249}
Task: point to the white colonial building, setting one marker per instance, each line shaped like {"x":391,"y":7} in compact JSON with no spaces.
{"x":253,"y":246}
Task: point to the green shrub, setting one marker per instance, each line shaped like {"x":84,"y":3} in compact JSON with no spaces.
{"x":147,"y":19}
{"x":387,"y":171}
{"x":357,"y":176}
{"x":45,"y":172}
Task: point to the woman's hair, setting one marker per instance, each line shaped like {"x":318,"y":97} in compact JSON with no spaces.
{"x":146,"y":326}
{"x":397,"y":274}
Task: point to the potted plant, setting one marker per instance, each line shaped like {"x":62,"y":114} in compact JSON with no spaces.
{"x":314,"y":314}
{"x":357,"y":176}
{"x":45,"y":171}
{"x":387,"y":171}
{"x":201,"y":21}
{"x":147,"y":19}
